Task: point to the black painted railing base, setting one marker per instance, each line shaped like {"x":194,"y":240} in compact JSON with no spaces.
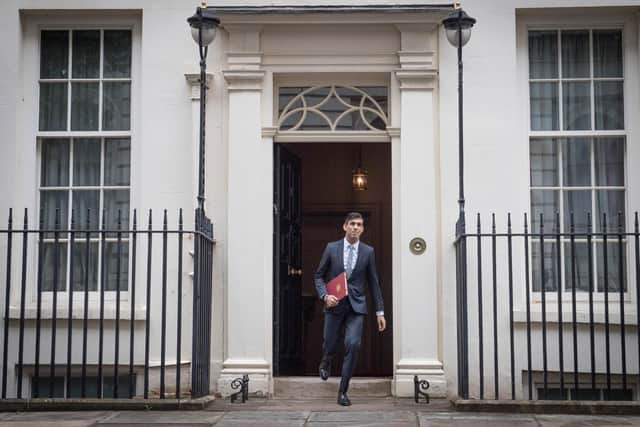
{"x":105,"y":404}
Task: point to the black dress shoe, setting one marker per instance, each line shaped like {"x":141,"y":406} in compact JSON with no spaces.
{"x":324,"y":372}
{"x":343,"y":399}
{"x":325,"y":368}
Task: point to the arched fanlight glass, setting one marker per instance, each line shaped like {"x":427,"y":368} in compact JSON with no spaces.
{"x":458,"y":18}
{"x":203,"y":26}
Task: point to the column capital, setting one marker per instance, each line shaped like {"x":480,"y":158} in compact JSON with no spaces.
{"x":417,"y":79}
{"x":244,"y":80}
{"x":194,"y":81}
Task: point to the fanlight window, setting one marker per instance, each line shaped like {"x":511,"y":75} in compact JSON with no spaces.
{"x":333,"y":108}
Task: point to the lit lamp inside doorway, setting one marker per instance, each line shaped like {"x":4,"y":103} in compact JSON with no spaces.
{"x":359,"y":178}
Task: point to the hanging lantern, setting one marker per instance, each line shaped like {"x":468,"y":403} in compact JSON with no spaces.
{"x":359,"y":177}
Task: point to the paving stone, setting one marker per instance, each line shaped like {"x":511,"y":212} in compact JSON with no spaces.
{"x":161,"y":418}
{"x":55,"y":423}
{"x":586,"y":420}
{"x":362,"y":418}
{"x":263,"y":418}
{"x":80,"y":416}
{"x":476,"y":420}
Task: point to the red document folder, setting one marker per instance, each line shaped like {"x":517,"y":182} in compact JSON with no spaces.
{"x":338,"y":286}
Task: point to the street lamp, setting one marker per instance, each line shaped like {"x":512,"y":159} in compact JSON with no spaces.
{"x":458,"y":29}
{"x":203,"y":30}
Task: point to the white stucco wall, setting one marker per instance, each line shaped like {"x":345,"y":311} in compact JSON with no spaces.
{"x":164,"y":139}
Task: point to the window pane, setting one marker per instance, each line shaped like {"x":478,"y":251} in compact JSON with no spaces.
{"x":86,"y":161}
{"x":575,"y":54}
{"x":117,"y":53}
{"x":116,"y":114}
{"x":50,"y":253}
{"x":576,"y":105}
{"x":86,"y":54}
{"x":116,"y":202}
{"x":550,"y":267}
{"x":609,"y":104}
{"x":576,"y":269}
{"x":544,"y":162}
{"x":123,"y":386}
{"x":112,"y":279}
{"x":54,"y":203}
{"x":607,"y":53}
{"x":576,"y":162}
{"x":611,"y":277}
{"x":543,"y":54}
{"x":544,"y":106}
{"x":544,"y":202}
{"x":610,"y":202}
{"x":578,"y":202}
{"x":55,"y":163}
{"x":53,"y":106}
{"x":86,"y":203}
{"x":91,"y":387}
{"x":54,"y":54}
{"x":117,"y":161}
{"x":85,"y":265}
{"x":42,"y":385}
{"x":84,"y":106}
{"x":609,"y":159}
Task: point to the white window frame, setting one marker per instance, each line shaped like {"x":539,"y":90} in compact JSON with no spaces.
{"x":587,"y":18}
{"x":34,"y":22}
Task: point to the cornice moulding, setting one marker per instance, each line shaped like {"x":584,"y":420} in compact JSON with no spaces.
{"x":244,"y":79}
{"x":417,"y":79}
{"x":194,"y":81}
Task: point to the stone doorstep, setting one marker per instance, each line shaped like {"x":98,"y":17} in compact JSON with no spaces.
{"x":549,"y":407}
{"x":314,"y":387}
{"x":14,"y":405}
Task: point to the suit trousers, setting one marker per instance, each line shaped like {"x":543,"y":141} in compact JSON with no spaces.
{"x":343,"y":316}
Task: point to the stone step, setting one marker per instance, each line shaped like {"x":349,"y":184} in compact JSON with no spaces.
{"x":312,"y":387}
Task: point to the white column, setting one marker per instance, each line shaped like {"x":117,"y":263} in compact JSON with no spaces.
{"x":248,"y":325}
{"x":417,"y":349}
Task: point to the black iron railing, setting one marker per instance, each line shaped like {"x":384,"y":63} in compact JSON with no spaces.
{"x":552,"y":312}
{"x":71,"y":294}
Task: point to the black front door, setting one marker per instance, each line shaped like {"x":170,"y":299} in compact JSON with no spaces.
{"x":287,"y":265}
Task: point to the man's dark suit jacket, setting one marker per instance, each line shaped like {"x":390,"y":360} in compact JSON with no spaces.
{"x":332,"y":264}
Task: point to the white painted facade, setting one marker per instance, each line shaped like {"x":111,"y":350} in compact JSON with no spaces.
{"x":250,"y":58}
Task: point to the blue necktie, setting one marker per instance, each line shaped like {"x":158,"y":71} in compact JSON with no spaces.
{"x":349,"y":268}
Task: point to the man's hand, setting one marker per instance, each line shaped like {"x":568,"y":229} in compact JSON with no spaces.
{"x":330,"y":300}
{"x":382,"y":324}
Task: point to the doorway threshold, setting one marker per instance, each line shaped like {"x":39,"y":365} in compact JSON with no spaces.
{"x":314,"y":387}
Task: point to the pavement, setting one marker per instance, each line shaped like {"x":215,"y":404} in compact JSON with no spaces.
{"x":311,"y":413}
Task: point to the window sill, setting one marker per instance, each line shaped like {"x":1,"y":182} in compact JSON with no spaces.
{"x":582,"y":316}
{"x":30,"y":312}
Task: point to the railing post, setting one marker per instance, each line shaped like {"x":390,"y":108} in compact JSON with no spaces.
{"x":461,"y":307}
{"x":202,"y":283}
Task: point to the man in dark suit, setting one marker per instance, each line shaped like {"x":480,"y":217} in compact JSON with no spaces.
{"x":358,"y":260}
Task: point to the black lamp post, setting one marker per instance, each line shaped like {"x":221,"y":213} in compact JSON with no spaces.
{"x":458,"y":29}
{"x":203,"y":30}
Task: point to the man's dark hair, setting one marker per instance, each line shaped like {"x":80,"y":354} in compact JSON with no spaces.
{"x":353,"y":215}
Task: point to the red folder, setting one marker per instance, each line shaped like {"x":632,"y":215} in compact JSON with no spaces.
{"x":338,"y":286}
